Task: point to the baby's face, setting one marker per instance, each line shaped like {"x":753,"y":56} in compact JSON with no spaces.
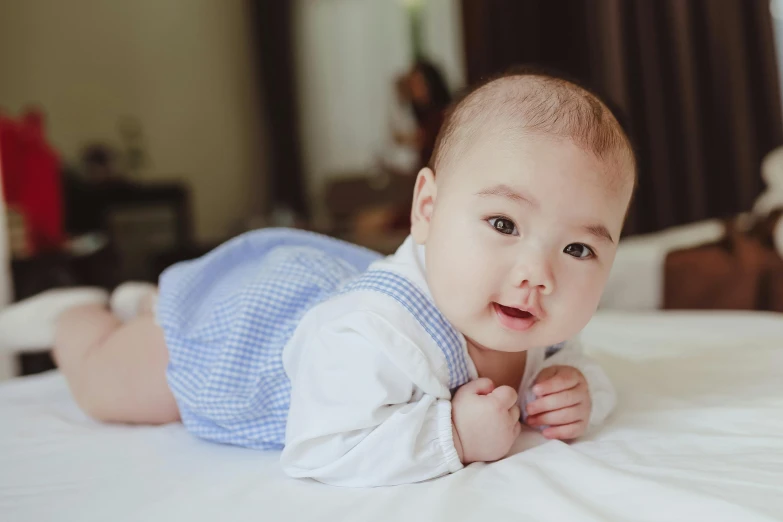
{"x":520,"y":237}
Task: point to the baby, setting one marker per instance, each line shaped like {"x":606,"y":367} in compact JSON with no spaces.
{"x":369,"y":371}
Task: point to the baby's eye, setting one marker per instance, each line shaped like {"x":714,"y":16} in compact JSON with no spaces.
{"x":579,"y":251}
{"x":503,"y":225}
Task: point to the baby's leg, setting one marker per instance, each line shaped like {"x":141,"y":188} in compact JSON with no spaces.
{"x":116,"y":371}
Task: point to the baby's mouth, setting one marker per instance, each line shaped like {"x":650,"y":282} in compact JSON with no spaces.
{"x":514,"y":312}
{"x":514,"y":318}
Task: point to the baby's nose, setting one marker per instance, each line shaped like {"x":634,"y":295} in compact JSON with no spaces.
{"x":535,"y":274}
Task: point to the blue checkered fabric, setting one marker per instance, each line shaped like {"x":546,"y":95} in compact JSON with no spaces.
{"x":228,"y":315}
{"x":226,"y":318}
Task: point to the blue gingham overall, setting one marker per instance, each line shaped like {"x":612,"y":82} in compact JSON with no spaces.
{"x":228,"y":315}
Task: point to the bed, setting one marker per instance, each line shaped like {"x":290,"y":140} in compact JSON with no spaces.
{"x":698,"y":435}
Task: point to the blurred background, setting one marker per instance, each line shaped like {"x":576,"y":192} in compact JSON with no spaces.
{"x":137,"y":134}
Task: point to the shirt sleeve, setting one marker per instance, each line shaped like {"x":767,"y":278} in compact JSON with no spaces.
{"x":602,"y":392}
{"x":356,"y":418}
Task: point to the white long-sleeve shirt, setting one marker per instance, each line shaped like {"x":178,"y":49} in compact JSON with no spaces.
{"x":370,"y":401}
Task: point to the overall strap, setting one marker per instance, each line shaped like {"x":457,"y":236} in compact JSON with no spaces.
{"x":425,"y":312}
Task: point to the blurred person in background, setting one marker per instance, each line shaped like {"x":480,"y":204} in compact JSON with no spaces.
{"x":398,"y":154}
{"x":418,"y":106}
{"x":430,"y":97}
{"x":424,"y":93}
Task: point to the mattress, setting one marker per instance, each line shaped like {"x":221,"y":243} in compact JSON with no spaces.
{"x":697,"y":435}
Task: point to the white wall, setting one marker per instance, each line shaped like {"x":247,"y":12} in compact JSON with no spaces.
{"x":442,"y":38}
{"x":184,"y":68}
{"x":348,"y":53}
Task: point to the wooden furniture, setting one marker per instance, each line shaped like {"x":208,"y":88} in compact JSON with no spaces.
{"x":140,"y":220}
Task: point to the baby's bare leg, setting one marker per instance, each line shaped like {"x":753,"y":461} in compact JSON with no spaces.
{"x":116,"y":371}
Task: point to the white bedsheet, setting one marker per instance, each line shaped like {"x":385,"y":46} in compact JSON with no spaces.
{"x":698,"y":435}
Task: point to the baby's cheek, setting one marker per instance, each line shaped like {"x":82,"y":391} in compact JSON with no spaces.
{"x":586,"y":290}
{"x":449,"y":289}
{"x":575,"y":310}
{"x":464,"y":271}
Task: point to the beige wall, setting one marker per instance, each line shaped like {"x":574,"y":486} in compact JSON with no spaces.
{"x":184,"y":68}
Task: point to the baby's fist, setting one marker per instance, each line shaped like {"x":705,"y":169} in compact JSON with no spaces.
{"x":563,"y":403}
{"x":486,"y":420}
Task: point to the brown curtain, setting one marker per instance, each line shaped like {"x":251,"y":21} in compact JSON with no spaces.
{"x":274,"y":37}
{"x":696,"y":81}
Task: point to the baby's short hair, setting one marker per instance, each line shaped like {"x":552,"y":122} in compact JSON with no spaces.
{"x":535,"y":102}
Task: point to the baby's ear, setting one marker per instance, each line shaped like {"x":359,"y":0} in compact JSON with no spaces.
{"x":424,"y":194}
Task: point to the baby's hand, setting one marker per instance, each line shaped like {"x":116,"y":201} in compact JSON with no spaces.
{"x":486,"y":420}
{"x":563,"y":403}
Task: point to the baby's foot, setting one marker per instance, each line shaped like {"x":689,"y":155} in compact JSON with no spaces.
{"x":30,"y":323}
{"x":129,"y":300}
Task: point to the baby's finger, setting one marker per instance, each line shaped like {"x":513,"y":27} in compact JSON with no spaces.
{"x":566,"y":432}
{"x":556,"y":401}
{"x":546,"y":374}
{"x":557,"y":417}
{"x":505,"y":395}
{"x":564,"y":378}
{"x":482,"y":386}
{"x":514,"y":413}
